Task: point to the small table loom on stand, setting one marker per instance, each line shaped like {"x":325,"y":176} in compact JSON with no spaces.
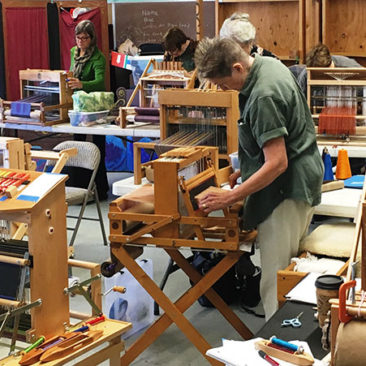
{"x":158,"y":213}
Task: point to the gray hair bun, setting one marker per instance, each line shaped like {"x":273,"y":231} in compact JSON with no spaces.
{"x":239,"y":28}
{"x":240,"y":16}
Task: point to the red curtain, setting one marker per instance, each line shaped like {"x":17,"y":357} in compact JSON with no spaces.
{"x":67,"y":35}
{"x":27,"y":44}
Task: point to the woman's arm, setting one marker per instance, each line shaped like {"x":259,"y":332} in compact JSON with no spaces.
{"x":275,"y":163}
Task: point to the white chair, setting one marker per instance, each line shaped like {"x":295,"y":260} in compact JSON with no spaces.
{"x":88,"y":157}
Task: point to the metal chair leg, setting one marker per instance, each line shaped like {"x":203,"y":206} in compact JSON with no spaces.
{"x":100,"y":215}
{"x":81,"y":214}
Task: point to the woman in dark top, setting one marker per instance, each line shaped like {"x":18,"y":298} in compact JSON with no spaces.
{"x":88,"y":66}
{"x":241,"y":30}
{"x":179,"y":47}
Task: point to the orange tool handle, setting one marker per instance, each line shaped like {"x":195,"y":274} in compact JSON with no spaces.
{"x":342,"y":311}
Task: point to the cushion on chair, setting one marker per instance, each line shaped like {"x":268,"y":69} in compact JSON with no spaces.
{"x":75,"y":195}
{"x":334,"y":240}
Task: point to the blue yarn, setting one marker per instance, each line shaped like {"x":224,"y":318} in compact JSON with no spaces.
{"x":328,"y":172}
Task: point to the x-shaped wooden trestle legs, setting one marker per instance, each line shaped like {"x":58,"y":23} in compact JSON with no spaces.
{"x":174,"y":311}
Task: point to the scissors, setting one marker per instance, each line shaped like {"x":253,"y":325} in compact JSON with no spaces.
{"x":295,"y":322}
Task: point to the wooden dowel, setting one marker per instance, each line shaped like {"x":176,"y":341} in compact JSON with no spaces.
{"x":9,"y":303}
{"x":78,"y":315}
{"x":13,"y":260}
{"x":82,"y":264}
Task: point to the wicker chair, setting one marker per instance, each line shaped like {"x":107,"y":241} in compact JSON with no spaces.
{"x":88,"y":157}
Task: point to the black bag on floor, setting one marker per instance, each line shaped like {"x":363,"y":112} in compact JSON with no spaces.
{"x":239,"y":284}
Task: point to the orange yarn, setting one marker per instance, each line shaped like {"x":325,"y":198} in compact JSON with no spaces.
{"x":343,"y":170}
{"x":337,"y":121}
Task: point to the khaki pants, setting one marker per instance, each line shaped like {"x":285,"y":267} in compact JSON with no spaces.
{"x":278,"y":238}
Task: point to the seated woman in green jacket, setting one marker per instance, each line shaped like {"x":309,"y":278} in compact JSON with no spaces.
{"x":87,"y":61}
{"x":88,"y":66}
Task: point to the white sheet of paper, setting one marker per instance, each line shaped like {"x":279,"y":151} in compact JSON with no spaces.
{"x":243,"y":353}
{"x":41,"y":185}
{"x":305,"y":290}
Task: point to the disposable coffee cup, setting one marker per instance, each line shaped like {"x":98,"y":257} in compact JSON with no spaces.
{"x":327,"y":287}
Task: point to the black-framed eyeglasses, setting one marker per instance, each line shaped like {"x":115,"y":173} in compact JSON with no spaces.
{"x":82,"y":38}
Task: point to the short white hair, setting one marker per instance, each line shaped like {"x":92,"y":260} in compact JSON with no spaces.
{"x":238,"y":28}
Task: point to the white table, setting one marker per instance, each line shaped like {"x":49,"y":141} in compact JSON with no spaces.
{"x":340,"y":203}
{"x":124,"y":186}
{"x":353,"y":150}
{"x":134,"y":130}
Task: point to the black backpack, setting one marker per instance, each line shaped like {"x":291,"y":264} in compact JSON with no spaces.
{"x":239,"y":284}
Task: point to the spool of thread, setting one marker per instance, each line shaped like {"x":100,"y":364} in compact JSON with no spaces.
{"x":343,"y":170}
{"x":328,"y":172}
{"x":280,"y":342}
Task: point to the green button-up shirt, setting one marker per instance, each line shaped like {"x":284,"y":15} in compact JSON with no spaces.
{"x":272,"y":105}
{"x":93,"y":73}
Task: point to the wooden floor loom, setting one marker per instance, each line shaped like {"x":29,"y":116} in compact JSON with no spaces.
{"x":44,"y":255}
{"x":180,"y":172}
{"x":46,"y":248}
{"x":156,"y":76}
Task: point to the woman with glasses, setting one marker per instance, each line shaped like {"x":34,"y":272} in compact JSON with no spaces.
{"x":87,"y":61}
{"x":88,"y":66}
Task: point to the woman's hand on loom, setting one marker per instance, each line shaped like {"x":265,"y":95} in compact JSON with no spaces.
{"x":74,"y":83}
{"x":215,"y":201}
{"x":233,"y":178}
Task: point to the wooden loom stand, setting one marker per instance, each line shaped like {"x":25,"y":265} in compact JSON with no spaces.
{"x":164,"y":225}
{"x":360,"y":236}
{"x":46,"y":220}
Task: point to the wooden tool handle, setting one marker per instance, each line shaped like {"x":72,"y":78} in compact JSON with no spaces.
{"x":119,"y":289}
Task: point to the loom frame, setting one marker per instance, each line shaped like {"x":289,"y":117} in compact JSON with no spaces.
{"x":163,"y":224}
{"x":13,"y":152}
{"x":317,"y":76}
{"x":186,"y":82}
{"x":65,"y":97}
{"x":191,"y":98}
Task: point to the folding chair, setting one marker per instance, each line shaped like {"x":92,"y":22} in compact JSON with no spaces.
{"x":88,"y":157}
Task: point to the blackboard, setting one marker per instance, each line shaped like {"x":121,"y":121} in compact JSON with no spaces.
{"x":148,"y":22}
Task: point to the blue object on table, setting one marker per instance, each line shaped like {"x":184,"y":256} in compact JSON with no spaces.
{"x":295,"y":322}
{"x":356,"y":181}
{"x":282,"y":343}
{"x":328,"y":172}
{"x":20,"y":109}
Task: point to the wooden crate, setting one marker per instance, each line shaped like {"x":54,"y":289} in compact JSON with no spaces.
{"x":287,"y":279}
